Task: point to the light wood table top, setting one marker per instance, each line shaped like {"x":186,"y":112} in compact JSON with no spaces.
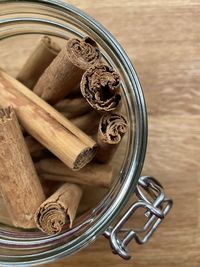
{"x":162,"y":38}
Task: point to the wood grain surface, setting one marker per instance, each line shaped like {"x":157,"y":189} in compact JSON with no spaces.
{"x":162,"y":38}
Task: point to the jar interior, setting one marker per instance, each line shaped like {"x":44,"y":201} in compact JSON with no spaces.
{"x":22,"y":23}
{"x":19,"y":47}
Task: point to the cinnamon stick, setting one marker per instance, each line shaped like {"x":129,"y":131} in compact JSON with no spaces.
{"x":73,"y":107}
{"x":52,"y":215}
{"x":38,"y":61}
{"x":19,"y":184}
{"x":46,"y":125}
{"x":93,"y":174}
{"x":88,"y":123}
{"x":100,"y":87}
{"x":112,"y":128}
{"x":64,"y":74}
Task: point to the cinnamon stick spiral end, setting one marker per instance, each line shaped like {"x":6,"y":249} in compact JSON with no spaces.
{"x":112,"y":128}
{"x":83,"y":53}
{"x":53,"y":214}
{"x":100,"y":87}
{"x":51,"y":218}
{"x":84,"y":158}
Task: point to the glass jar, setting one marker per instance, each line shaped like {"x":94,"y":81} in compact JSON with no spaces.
{"x":25,"y":248}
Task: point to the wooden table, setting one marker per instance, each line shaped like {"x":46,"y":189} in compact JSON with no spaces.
{"x":162,"y":37}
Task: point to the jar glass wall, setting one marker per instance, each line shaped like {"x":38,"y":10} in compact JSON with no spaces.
{"x":21,"y":23}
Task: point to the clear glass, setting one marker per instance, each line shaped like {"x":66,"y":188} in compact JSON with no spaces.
{"x":55,"y":18}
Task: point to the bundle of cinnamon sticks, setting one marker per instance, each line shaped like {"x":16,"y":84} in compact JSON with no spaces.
{"x":60,"y":125}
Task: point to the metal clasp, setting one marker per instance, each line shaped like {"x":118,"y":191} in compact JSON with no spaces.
{"x":152,"y":199}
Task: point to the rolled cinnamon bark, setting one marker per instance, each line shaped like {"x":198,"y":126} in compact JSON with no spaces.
{"x":64,"y":74}
{"x":112,"y":128}
{"x":38,"y":61}
{"x":73,"y":107}
{"x":88,"y":123}
{"x":100,"y":87}
{"x":93,"y":174}
{"x":52,"y":215}
{"x":46,"y":125}
{"x":19,"y":184}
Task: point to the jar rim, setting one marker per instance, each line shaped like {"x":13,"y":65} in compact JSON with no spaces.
{"x":135,"y":157}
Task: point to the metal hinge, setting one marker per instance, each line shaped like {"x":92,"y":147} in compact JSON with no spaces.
{"x":152,"y":199}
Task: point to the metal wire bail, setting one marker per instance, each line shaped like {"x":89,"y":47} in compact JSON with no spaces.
{"x":152,"y":199}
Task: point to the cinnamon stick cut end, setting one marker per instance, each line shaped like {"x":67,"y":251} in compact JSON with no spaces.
{"x":84,"y":158}
{"x":112,"y":128}
{"x":83,"y":53}
{"x":53,"y":214}
{"x":51,"y":218}
{"x":100,"y":87}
